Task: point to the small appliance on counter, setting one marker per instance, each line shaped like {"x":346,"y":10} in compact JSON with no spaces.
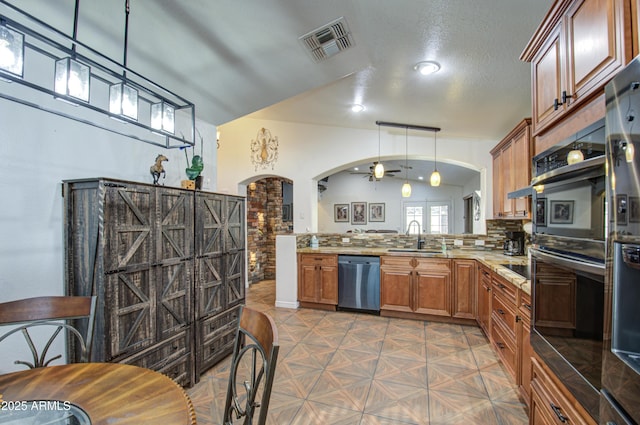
{"x":514,"y":244}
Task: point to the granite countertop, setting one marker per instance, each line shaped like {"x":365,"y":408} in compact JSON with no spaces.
{"x":491,"y":259}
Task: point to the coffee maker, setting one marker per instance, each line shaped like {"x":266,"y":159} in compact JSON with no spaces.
{"x":514,"y":243}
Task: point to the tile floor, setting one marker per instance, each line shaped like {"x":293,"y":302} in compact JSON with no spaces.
{"x":349,"y":368}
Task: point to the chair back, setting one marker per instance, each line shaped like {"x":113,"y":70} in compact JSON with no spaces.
{"x":253,"y":365}
{"x":56,"y":312}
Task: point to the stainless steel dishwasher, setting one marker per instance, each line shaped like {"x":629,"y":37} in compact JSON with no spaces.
{"x":359,"y":283}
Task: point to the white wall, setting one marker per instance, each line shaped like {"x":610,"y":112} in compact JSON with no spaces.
{"x":308,"y":153}
{"x":343,"y":188}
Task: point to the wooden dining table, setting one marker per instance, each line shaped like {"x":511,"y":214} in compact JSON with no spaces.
{"x":109,"y":393}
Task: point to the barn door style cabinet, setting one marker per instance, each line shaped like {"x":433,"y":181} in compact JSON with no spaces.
{"x":167,"y":266}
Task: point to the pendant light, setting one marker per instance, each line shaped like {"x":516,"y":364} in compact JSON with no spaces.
{"x":378,"y":170}
{"x":123,"y":99}
{"x":71,"y":76}
{"x":435,"y":176}
{"x":406,"y":187}
{"x":12,"y":51}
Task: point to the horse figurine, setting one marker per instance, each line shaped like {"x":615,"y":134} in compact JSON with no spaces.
{"x":157,"y":168}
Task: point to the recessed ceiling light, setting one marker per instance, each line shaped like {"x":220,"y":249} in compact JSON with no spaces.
{"x":355,"y":168}
{"x":420,"y":178}
{"x":357,"y":107}
{"x":427,"y":67}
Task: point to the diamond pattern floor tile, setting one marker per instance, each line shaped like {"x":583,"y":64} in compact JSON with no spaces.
{"x":348,"y":368}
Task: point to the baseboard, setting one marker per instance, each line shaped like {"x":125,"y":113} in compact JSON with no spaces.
{"x":287,"y":304}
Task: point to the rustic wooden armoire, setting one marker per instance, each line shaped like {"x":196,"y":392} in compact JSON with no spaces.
{"x":167,"y":265}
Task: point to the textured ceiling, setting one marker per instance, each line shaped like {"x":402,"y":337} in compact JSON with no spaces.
{"x":235,"y":58}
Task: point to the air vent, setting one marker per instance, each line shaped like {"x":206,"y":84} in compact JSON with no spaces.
{"x":328,"y":40}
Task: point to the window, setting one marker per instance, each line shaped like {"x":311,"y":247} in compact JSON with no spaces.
{"x":414,"y":213}
{"x":438,"y":217}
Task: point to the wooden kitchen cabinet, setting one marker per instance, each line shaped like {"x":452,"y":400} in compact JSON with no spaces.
{"x":318,"y":279}
{"x":484,"y":299}
{"x":503,"y":322}
{"x":579,"y":46}
{"x":525,"y":351}
{"x":464,"y":288}
{"x":512,"y":171}
{"x":420,"y":286}
{"x":550,"y":402}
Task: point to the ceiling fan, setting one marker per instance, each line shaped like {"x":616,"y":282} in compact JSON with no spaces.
{"x":387,"y":173}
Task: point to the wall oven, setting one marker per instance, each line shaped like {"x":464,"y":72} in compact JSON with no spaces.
{"x":568,"y":262}
{"x":620,"y":402}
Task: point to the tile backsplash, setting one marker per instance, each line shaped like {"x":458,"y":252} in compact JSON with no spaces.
{"x":493,"y":240}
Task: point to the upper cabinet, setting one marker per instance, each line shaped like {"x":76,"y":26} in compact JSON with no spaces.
{"x":579,"y":46}
{"x":512,"y":171}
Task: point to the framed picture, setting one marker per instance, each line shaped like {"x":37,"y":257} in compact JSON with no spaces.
{"x":341,"y":212}
{"x":634,"y":209}
{"x":621,"y":209}
{"x":561,"y":212}
{"x":358,"y":213}
{"x":541,"y":212}
{"x":376,"y":212}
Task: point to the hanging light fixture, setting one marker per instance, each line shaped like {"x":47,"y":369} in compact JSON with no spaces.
{"x":435,"y":176}
{"x":11,"y":51}
{"x":406,"y":187}
{"x":123,"y":99}
{"x":152,"y":113}
{"x":72,"y":77}
{"x":378,"y":170}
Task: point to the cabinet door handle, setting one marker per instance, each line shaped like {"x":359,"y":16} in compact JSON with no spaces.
{"x":556,"y":104}
{"x":565,"y":96}
{"x":527,"y":306}
{"x":518,"y":319}
{"x":501,"y":346}
{"x":558,"y":413}
{"x":501,"y":311}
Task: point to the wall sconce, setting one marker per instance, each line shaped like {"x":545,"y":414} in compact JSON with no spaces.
{"x":155,"y":115}
{"x":11,"y":51}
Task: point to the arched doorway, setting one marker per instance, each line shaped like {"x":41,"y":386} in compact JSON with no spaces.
{"x":269,"y":213}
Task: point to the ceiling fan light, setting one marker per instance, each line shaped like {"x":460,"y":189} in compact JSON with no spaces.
{"x":378,"y":171}
{"x":435,"y":178}
{"x":406,"y":190}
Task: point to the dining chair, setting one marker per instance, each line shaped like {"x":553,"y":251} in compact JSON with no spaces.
{"x":57,"y":312}
{"x":253,"y":365}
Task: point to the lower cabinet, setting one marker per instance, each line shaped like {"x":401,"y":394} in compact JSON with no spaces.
{"x":525,"y":351}
{"x":550,"y":405}
{"x":503,"y":322}
{"x":484,"y":298}
{"x":425,"y":287}
{"x":464,"y":289}
{"x":318,"y":279}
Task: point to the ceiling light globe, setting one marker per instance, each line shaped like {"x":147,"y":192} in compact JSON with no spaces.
{"x":378,"y":171}
{"x":406,"y":190}
{"x":435,"y":179}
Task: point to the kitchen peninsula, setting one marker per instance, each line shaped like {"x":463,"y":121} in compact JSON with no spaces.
{"x":460,"y":285}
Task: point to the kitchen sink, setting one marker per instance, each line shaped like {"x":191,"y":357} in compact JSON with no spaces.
{"x":421,"y":251}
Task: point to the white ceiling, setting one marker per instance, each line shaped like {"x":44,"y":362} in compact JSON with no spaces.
{"x":237,"y":58}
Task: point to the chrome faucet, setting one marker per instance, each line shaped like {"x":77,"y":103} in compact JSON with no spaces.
{"x":417,"y":223}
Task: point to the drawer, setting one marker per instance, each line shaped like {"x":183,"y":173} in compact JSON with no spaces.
{"x":524,"y":306}
{"x":396,"y":261}
{"x":216,"y":336}
{"x":159,"y":355}
{"x":504,"y":313}
{"x":319,"y":259}
{"x":433,"y":264}
{"x":179,"y":370}
{"x":505,"y":288}
{"x":504,"y":345}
